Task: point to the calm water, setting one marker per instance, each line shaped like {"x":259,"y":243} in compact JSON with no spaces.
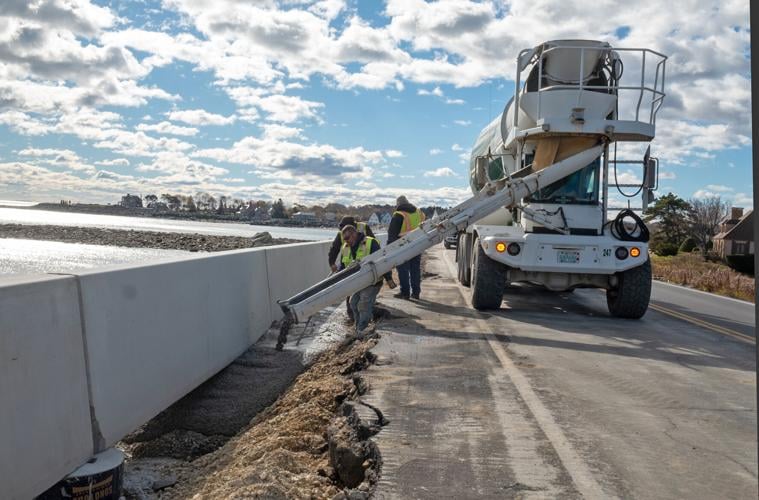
{"x":34,"y":256}
{"x":22,"y":216}
{"x":19,"y":256}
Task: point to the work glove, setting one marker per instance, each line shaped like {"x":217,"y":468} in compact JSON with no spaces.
{"x":333,"y":267}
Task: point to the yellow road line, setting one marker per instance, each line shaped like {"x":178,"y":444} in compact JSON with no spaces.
{"x":704,"y":324}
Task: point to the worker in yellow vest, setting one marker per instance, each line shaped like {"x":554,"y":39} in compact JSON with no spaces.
{"x":406,"y":218}
{"x":337,"y":245}
{"x":356,"y":247}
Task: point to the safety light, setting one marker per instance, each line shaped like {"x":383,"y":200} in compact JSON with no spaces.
{"x":514,"y":249}
{"x":621,"y":253}
{"x":635,"y":251}
{"x":500,"y":247}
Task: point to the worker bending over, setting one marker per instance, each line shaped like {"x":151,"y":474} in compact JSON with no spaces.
{"x":357,"y":246}
{"x":406,"y":218}
{"x":336,"y":248}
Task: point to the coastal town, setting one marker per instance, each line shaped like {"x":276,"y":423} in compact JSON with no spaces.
{"x":205,"y":206}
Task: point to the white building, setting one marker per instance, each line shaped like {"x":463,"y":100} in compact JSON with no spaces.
{"x":373,"y":220}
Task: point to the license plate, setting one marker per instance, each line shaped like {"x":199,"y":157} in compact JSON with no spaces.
{"x":569,"y":256}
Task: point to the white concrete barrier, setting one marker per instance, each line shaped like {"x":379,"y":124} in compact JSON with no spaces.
{"x":149,"y":334}
{"x":45,"y":429}
{"x":292,"y":268}
{"x":156,"y":332}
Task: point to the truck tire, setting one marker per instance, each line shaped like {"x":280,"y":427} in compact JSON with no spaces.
{"x":630,"y":298}
{"x":488,"y":279}
{"x":463,"y":252}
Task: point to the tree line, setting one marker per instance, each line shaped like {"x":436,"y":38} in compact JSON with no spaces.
{"x":684,"y":225}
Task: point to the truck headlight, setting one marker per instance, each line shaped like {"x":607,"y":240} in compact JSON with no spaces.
{"x":514,"y":249}
{"x":621,"y":253}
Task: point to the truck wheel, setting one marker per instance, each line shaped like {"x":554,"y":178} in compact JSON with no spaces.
{"x":463,"y":252}
{"x":630,"y":298}
{"x":447,"y":245}
{"x":488,"y":279}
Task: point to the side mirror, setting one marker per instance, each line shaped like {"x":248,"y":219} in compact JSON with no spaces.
{"x":651,"y":179}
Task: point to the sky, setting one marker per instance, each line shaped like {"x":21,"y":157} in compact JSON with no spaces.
{"x":332,"y":100}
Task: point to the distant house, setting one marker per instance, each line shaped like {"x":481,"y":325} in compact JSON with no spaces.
{"x":330,"y":216}
{"x":260,"y":214}
{"x":736,"y":234}
{"x":386,"y":218}
{"x":373,"y":220}
{"x":131,"y":201}
{"x":305,"y":217}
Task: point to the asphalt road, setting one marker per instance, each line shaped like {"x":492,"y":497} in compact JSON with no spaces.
{"x":549,"y":397}
{"x":728,"y":315}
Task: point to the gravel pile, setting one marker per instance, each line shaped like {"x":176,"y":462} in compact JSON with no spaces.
{"x":138,"y":239}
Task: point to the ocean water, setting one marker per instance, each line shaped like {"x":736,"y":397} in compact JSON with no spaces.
{"x":10,"y":215}
{"x":19,"y":256}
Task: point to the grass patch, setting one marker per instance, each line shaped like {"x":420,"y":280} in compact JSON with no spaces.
{"x":691,"y":270}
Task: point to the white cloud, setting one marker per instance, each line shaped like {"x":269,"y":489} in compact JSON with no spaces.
{"x":463,"y":123}
{"x":167,"y":128}
{"x":117,"y":162}
{"x":705,"y":193}
{"x":457,"y":147}
{"x":393,"y":153}
{"x":743,"y":200}
{"x":436,"y":92}
{"x":199,"y":117}
{"x":435,"y":151}
{"x":441,"y":172}
{"x":719,"y":188}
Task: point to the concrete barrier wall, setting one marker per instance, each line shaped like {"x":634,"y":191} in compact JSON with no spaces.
{"x":148,"y":335}
{"x":45,"y":428}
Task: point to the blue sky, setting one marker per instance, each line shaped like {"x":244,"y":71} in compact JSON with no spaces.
{"x":332,"y":100}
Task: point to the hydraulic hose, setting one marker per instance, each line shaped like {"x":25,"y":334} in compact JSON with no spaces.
{"x":620,"y":232}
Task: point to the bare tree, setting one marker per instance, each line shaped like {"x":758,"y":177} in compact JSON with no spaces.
{"x":704,"y":215}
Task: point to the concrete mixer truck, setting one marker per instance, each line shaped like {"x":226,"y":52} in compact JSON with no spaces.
{"x":560,"y":236}
{"x":539,"y":176}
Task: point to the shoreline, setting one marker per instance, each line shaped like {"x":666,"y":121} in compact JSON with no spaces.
{"x":139,"y":239}
{"x":117,"y":210}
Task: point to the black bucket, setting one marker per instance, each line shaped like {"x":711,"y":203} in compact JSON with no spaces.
{"x":101,"y":478}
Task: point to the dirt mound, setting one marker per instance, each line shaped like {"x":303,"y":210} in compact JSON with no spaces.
{"x":285,"y":453}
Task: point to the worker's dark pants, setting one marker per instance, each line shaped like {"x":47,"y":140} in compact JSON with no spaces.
{"x":348,"y":306}
{"x":410,"y":276}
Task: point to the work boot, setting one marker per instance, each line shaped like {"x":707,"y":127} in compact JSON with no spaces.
{"x":400,"y":295}
{"x":415,"y":296}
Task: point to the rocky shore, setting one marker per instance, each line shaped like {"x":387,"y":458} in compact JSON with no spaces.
{"x":138,"y":239}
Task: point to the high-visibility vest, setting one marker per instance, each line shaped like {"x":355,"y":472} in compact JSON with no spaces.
{"x":360,"y":227}
{"x":410,"y":221}
{"x":364,"y":249}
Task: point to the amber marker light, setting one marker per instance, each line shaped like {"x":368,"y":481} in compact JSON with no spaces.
{"x":635,"y":252}
{"x":500,"y":247}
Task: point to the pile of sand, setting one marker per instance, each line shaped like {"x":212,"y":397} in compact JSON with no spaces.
{"x":284,"y":453}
